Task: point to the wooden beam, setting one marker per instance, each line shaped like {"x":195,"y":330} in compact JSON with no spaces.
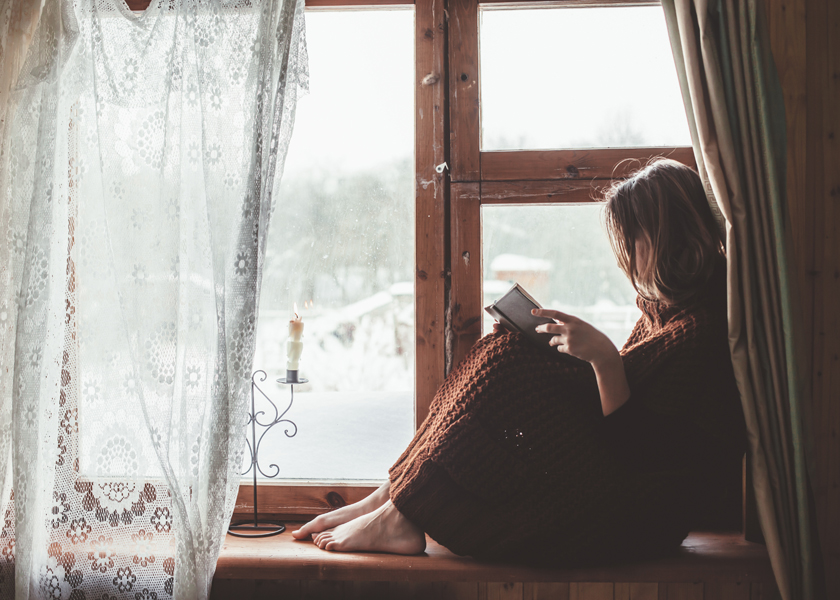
{"x":431,"y":201}
{"x":141,"y":5}
{"x":574,"y":3}
{"x":542,"y":192}
{"x":823,"y":90}
{"x":465,"y":134}
{"x":300,"y":500}
{"x":584,"y":163}
{"x":350,"y":4}
{"x":465,"y":298}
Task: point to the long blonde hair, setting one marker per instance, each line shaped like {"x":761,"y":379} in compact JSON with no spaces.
{"x":664,"y":206}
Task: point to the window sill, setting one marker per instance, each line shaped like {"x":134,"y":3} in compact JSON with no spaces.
{"x":704,"y":556}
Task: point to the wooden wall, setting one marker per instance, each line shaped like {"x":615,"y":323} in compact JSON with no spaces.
{"x":384,"y":590}
{"x":805,"y":35}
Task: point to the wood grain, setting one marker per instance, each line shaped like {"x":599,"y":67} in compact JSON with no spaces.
{"x":586,"y":164}
{"x":828,"y":294}
{"x":467,"y":275}
{"x":504,"y":591}
{"x":545,"y":591}
{"x":636,"y":591}
{"x":230,"y":589}
{"x":298,"y":499}
{"x":464,"y":134}
{"x":726,"y":590}
{"x":822,"y":192}
{"x":765,"y":591}
{"x":804,"y":40}
{"x":432,"y":196}
{"x":703,"y":556}
{"x":684,"y":591}
{"x":591,"y":591}
{"x":542,"y":192}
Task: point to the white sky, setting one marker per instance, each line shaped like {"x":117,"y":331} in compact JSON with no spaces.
{"x":550,"y":78}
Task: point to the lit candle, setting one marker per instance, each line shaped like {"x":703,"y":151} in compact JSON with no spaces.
{"x":294,"y":345}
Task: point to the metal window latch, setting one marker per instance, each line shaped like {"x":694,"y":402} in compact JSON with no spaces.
{"x":441,"y":167}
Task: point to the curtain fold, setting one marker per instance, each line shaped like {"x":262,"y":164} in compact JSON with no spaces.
{"x":140,"y":157}
{"x":735,"y":109}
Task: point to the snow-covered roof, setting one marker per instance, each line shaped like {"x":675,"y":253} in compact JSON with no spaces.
{"x":515,"y":262}
{"x":496,"y":288}
{"x":402,"y":288}
{"x":351,"y":312}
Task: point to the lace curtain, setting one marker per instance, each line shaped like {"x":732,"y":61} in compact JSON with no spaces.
{"x":139,"y":158}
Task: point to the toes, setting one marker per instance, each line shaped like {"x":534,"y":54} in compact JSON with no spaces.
{"x":322,"y":538}
{"x":308,"y":529}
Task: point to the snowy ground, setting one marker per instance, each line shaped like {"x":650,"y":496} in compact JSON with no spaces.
{"x":340,"y":435}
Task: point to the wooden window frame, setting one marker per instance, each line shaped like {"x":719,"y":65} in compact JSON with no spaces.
{"x":448,"y":302}
{"x":510,"y":177}
{"x":448,"y":253}
{"x":301,"y":499}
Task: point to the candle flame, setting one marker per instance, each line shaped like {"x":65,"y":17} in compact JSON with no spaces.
{"x":296,"y":313}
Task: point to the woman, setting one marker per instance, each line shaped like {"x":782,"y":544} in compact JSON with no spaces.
{"x":526,"y":456}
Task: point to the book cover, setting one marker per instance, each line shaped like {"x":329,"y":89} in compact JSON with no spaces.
{"x":513,"y":310}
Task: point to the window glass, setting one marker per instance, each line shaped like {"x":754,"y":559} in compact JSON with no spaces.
{"x":341,"y":246}
{"x":561,"y":255}
{"x":578,"y":78}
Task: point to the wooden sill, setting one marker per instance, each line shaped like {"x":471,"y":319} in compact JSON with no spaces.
{"x":704,"y":556}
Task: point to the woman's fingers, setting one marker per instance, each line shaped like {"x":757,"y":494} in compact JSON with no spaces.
{"x":551,"y":328}
{"x":553,"y":314}
{"x":557,"y":340}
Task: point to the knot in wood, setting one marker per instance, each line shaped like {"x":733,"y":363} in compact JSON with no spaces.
{"x":335,"y":500}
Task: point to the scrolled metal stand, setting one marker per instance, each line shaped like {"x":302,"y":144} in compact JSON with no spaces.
{"x":254,"y":529}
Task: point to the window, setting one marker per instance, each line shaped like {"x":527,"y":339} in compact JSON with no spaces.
{"x":492,"y":159}
{"x":341,"y":247}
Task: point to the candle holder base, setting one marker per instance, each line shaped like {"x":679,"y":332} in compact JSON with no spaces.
{"x":250,"y":529}
{"x":292,"y":378}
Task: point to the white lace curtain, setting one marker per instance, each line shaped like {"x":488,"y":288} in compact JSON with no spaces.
{"x":139,"y":156}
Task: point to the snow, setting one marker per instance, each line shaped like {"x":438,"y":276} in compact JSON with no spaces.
{"x":515,"y":262}
{"x":347,"y":435}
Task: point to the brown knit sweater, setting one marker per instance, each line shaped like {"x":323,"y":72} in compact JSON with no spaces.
{"x":516,"y":461}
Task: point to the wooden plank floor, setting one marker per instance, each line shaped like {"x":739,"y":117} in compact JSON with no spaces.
{"x":714,"y":557}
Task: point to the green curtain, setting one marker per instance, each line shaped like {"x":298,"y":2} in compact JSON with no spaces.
{"x":735,"y":109}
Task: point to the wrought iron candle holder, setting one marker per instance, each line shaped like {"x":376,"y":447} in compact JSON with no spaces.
{"x":266,"y":528}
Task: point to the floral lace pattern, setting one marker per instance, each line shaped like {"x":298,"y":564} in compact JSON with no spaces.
{"x":139,"y":157}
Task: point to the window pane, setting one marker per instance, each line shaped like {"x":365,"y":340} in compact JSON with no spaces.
{"x":341,"y":245}
{"x":561,"y":255}
{"x":578,"y":78}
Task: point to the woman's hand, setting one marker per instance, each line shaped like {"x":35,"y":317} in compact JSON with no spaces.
{"x":577,"y":337}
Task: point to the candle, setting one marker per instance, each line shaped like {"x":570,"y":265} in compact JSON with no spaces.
{"x":294,"y":345}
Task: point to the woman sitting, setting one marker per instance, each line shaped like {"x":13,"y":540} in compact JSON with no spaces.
{"x":527,"y":456}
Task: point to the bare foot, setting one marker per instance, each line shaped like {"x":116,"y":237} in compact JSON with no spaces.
{"x":344,"y":514}
{"x":384,"y":530}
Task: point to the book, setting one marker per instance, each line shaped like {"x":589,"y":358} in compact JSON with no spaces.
{"x":513,"y":311}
